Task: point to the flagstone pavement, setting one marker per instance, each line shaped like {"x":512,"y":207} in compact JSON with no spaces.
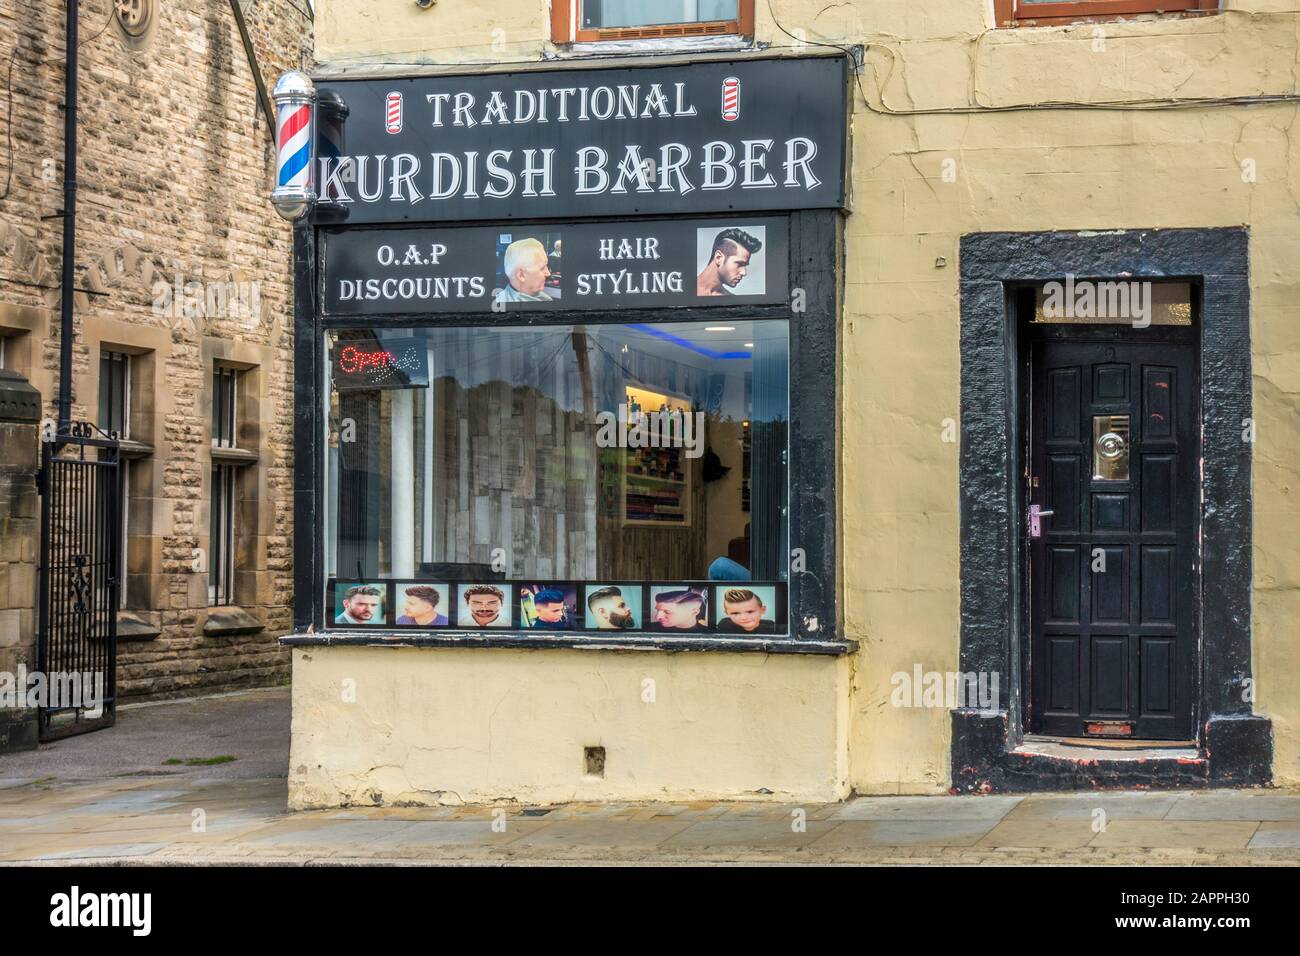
{"x":141,"y":810}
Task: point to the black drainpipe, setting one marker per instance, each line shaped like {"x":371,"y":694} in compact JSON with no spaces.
{"x":69,"y":214}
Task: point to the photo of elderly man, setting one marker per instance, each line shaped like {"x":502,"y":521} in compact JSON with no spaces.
{"x":525,"y":265}
{"x":680,"y":609}
{"x":483,"y":605}
{"x":360,"y":604}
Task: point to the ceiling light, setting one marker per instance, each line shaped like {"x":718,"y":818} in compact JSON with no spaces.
{"x":719,"y":328}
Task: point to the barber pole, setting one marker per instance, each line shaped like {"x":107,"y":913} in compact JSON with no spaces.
{"x":393,"y":122}
{"x":731,"y":99}
{"x":295,"y":145}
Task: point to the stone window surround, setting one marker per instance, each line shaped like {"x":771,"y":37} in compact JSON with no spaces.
{"x":17,"y":323}
{"x":1236,"y":744}
{"x":145,"y":344}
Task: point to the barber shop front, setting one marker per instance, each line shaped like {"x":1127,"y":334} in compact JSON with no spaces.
{"x":565,"y":498}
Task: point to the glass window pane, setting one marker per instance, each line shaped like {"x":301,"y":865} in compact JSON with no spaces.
{"x":621,"y":452}
{"x":114,"y":369}
{"x":602,"y":14}
{"x":224,"y":382}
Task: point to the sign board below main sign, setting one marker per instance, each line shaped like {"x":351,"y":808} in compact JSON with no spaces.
{"x":586,"y":266}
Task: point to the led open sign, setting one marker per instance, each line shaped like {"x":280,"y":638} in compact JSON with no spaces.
{"x":379,"y":365}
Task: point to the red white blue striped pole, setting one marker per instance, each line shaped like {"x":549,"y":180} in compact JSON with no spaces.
{"x":295,"y":145}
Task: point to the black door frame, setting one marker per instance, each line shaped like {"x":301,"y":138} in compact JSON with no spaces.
{"x":1236,"y":744}
{"x":1096,"y":335}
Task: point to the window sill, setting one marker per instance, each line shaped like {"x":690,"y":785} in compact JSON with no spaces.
{"x":132,"y":627}
{"x":230,"y":621}
{"x":134,"y":449}
{"x":726,"y":43}
{"x":522,"y":640}
{"x":240,"y":456}
{"x":1101,"y":16}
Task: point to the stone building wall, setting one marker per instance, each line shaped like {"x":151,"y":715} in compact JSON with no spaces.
{"x":19,"y":535}
{"x":175,"y":165}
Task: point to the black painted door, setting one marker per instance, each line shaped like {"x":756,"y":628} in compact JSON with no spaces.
{"x":1113,"y":454}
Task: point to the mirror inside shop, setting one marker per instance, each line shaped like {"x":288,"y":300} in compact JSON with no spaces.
{"x":644,"y":453}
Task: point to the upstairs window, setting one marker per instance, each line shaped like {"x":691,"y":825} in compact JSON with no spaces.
{"x":585,"y":21}
{"x":1048,"y":12}
{"x":115,"y":393}
{"x":224,"y":381}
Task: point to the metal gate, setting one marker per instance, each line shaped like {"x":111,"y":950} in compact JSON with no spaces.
{"x":81,"y":548}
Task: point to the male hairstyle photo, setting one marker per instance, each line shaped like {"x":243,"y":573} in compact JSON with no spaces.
{"x":549,"y":607}
{"x":483,"y":605}
{"x":745,"y":610}
{"x":614,"y":607}
{"x":729,"y":262}
{"x":680,"y":609}
{"x":360,"y":605}
{"x":422,"y":605}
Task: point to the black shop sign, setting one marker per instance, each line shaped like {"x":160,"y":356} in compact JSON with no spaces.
{"x":591,"y":265}
{"x":748,"y":135}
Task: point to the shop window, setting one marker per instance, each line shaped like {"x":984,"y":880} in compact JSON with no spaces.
{"x":567,"y":477}
{"x":585,"y":21}
{"x":1047,"y":12}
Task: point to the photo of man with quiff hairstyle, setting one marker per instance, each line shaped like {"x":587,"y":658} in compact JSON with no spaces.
{"x":728,"y":262}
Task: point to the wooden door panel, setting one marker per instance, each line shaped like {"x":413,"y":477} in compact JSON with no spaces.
{"x":1063,"y":584}
{"x":1109,"y":684}
{"x":1110,"y":512}
{"x":1158,"y":669}
{"x":1157,"y":575}
{"x":1108,"y":565}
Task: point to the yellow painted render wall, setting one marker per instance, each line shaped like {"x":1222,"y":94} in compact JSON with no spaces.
{"x":1033,"y":170}
{"x":425,"y":726}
